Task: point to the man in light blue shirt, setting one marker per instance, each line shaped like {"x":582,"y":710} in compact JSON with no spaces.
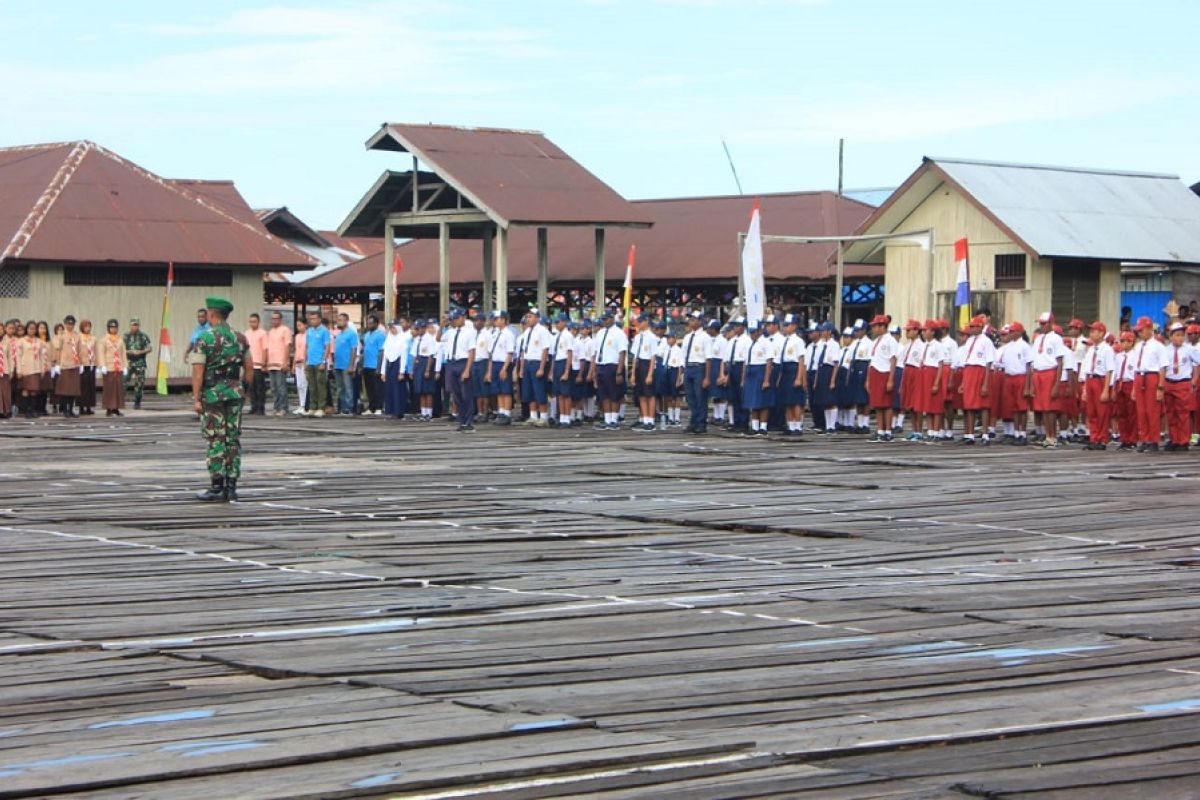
{"x":345,"y":363}
{"x":372,"y":357}
{"x":316,"y":358}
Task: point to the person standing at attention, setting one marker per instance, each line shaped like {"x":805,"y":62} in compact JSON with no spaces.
{"x":256,"y":379}
{"x":137,"y":346}
{"x":318,"y":348}
{"x":218,"y":359}
{"x":345,"y":362}
{"x":279,"y":363}
{"x":372,"y":360}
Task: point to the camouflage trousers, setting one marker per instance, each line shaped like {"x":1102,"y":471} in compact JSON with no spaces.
{"x":137,"y":381}
{"x":221,"y":425}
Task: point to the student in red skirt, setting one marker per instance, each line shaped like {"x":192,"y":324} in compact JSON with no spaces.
{"x":1124,"y":408}
{"x":931,"y":391}
{"x":1182,"y":369}
{"x":976,"y":355}
{"x":910,"y":359}
{"x":881,"y":376}
{"x":1048,"y":355}
{"x":1016,"y":359}
{"x":1096,"y":377}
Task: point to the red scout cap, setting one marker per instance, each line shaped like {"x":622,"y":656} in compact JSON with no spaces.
{"x":880,"y":319}
{"x":1016,"y":327}
{"x":912,"y":325}
{"x":1076,"y":323}
{"x":1144,"y":322}
{"x":977,"y":321}
{"x":1110,"y":339}
{"x":1193,"y":328}
{"x":1098,"y":326}
{"x":930,"y":324}
{"x":1127,"y":336}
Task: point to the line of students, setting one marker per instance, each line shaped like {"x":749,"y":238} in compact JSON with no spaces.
{"x":756,"y":378}
{"x":71,"y":368}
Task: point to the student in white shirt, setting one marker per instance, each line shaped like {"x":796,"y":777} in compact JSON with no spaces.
{"x":975,"y":382}
{"x":498,"y":380}
{"x":644,"y":352}
{"x":608,"y":370}
{"x":697,"y":350}
{"x":1068,"y":398}
{"x":827,"y":353}
{"x":1048,"y":360}
{"x":1179,"y":381}
{"x":735,"y":367}
{"x":793,"y":377}
{"x":484,"y":333}
{"x":532,"y":369}
{"x":672,"y":379}
{"x":757,"y":391}
{"x":562,"y":352}
{"x":1124,"y":405}
{"x":717,"y":389}
{"x":581,"y":362}
{"x":394,"y":368}
{"x":1149,"y":364}
{"x":458,"y":343}
{"x":883,"y":353}
{"x":1096,"y":375}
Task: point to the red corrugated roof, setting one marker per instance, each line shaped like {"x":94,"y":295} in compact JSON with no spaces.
{"x":77,"y":201}
{"x":693,"y":239}
{"x":363,"y":245}
{"x":519,"y":176}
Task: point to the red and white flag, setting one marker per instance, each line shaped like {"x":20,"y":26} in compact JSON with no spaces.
{"x":752,"y":268}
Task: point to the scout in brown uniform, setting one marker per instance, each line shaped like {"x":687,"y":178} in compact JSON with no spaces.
{"x":29,"y":369}
{"x":6,"y":336}
{"x":66,"y":360}
{"x":112,"y":363}
{"x":87,"y":368}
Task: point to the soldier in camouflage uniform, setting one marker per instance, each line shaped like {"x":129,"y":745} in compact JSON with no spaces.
{"x":137,"y":346}
{"x":218,"y":361}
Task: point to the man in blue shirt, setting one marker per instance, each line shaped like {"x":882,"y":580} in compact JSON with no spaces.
{"x":319,"y":344}
{"x":372,"y":358}
{"x":201,"y":326}
{"x":345,"y":363}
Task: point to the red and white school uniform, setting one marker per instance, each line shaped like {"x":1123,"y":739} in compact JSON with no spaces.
{"x":1124,"y":407}
{"x":1096,"y":375}
{"x":883,"y":350}
{"x":935,"y":369}
{"x":1178,"y":400}
{"x":977,"y":355}
{"x":910,"y":389}
{"x":1147,"y":357}
{"x":1048,"y":348}
{"x":1068,"y":390}
{"x":1014,"y":358}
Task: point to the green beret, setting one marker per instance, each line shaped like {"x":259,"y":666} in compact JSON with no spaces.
{"x":218,"y":304}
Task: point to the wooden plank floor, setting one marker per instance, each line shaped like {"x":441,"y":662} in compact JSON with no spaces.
{"x":396,"y":610}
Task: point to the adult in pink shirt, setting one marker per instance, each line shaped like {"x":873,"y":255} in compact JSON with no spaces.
{"x":279,"y":362}
{"x":256,"y":381}
{"x":300,"y":350}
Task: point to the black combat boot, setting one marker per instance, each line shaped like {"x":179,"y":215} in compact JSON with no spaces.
{"x":231,"y":490}
{"x":214,"y":493}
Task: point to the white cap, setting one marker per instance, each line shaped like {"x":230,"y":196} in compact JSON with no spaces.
{"x":1045,"y":316}
{"x":894,"y":329}
{"x":848,"y":332}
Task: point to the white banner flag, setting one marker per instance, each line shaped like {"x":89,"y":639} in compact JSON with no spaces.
{"x":752,"y":269}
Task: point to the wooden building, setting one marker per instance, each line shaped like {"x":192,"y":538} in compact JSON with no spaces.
{"x":1041,"y":238}
{"x":86,"y":232}
{"x":688,"y":259}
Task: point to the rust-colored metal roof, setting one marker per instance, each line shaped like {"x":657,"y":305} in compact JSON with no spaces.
{"x":363,"y":245}
{"x":693,"y":239}
{"x":516,"y":177}
{"x":77,"y":201}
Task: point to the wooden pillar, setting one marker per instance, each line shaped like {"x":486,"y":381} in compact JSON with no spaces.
{"x":501,"y":268}
{"x":443,"y":267}
{"x":488,"y":250}
{"x":389,"y":280}
{"x":598,"y":275}
{"x":543,"y":265}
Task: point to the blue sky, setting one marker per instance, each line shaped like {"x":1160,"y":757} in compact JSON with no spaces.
{"x":280,"y":96}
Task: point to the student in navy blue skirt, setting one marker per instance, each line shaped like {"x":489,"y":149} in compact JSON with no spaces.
{"x":823,"y":396}
{"x":858,"y":418}
{"x":758,"y":394}
{"x":792,"y":377}
{"x":843,"y":398}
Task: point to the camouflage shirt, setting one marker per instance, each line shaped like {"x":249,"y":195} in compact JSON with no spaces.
{"x":222,"y":351}
{"x":137,"y":341}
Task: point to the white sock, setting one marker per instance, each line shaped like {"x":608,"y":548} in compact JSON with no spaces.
{"x":564,"y":419}
{"x":505,"y":412}
{"x":899,"y":420}
{"x":830,"y":417}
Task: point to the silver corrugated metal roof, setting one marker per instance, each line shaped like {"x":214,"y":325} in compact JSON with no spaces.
{"x":1083,"y":213}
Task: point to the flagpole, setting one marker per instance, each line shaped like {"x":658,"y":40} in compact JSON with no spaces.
{"x":164,"y":335}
